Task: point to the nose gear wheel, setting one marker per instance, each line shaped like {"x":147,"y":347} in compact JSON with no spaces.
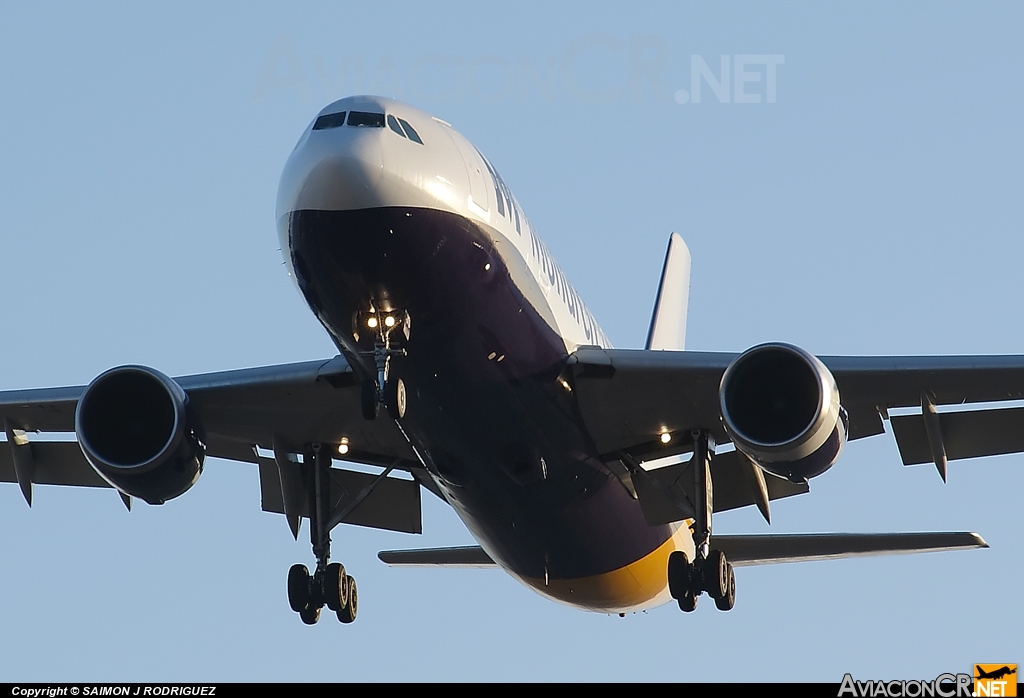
{"x":385,"y":387}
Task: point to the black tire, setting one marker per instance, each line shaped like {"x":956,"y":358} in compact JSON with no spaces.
{"x":727,"y":602}
{"x":310,"y":615}
{"x":688,"y":602}
{"x":395,"y":398}
{"x":348,"y":613}
{"x":716,"y":577}
{"x":368,"y":399}
{"x":299,"y":588}
{"x":335,"y":586}
{"x":679,"y":574}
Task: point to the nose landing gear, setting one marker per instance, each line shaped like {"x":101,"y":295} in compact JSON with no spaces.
{"x":385,"y":388}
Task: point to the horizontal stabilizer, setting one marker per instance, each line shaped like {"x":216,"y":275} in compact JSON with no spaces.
{"x":465,"y":556}
{"x":741,"y":551}
{"x":744,"y":551}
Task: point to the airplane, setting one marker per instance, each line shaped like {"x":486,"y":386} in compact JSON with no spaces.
{"x":996,"y":673}
{"x":469,"y":367}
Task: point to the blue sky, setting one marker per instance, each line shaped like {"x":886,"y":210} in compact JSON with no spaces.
{"x":874,"y":207}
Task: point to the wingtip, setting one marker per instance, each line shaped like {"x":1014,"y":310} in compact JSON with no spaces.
{"x":981,"y":542}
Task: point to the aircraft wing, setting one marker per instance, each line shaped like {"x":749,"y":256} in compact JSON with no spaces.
{"x":298,"y":403}
{"x":628,"y":397}
{"x":272,"y":407}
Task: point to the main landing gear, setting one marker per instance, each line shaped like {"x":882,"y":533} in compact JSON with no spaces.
{"x":329,"y":585}
{"x":385,"y":387}
{"x":710,"y":572}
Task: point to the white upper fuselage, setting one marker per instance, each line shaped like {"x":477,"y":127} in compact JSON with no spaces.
{"x":344,"y":167}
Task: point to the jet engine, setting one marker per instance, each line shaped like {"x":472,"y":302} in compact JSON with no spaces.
{"x":134,"y":428}
{"x":780,"y":406}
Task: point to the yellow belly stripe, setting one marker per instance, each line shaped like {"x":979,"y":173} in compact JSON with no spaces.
{"x":638,"y":585}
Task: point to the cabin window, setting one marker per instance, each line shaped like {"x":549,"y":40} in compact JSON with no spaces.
{"x":365,"y":118}
{"x":329,"y":121}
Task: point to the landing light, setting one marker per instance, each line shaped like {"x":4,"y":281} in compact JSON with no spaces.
{"x":666,"y":437}
{"x":371,"y":322}
{"x":487,"y":267}
{"x":389,"y":321}
{"x":343,"y":446}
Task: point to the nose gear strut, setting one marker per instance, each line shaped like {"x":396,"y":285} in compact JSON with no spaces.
{"x":385,"y":388}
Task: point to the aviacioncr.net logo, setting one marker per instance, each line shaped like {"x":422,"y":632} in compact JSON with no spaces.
{"x":942,"y":686}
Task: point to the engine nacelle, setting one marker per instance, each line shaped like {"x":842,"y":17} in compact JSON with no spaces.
{"x":780,"y":406}
{"x":133,"y":426}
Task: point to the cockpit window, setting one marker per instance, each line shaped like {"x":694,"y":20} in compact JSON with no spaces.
{"x":393,"y":125}
{"x":411,"y":132}
{"x":365,"y":118}
{"x":329,"y":121}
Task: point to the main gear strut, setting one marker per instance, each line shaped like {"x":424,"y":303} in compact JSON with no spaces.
{"x":329,"y":585}
{"x":710,"y":571}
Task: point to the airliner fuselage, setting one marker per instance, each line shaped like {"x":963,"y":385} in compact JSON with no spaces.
{"x":388,"y":214}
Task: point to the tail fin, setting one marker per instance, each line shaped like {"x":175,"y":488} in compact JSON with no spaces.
{"x":668,"y":323}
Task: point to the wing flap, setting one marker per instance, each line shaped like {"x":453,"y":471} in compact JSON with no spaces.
{"x":966,"y":434}
{"x":55,"y":463}
{"x":743,"y":551}
{"x":386,"y":503}
{"x":666,"y":494}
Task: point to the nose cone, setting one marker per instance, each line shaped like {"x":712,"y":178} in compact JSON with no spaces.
{"x":333,"y":170}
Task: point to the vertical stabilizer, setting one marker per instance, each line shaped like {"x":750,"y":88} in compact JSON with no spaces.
{"x":668,"y":323}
